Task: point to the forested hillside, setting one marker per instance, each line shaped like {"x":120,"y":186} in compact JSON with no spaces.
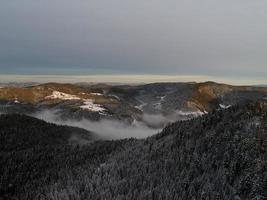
{"x":221,"y":155}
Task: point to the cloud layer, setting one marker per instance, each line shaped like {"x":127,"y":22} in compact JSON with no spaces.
{"x":134,"y":37}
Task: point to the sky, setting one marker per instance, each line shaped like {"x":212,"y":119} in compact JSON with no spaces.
{"x":114,"y":37}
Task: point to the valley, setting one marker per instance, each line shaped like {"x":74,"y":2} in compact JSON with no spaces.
{"x":219,"y":155}
{"x":150,"y":106}
{"x":153,"y":141}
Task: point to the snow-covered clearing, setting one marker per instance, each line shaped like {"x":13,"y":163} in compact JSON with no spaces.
{"x":62,"y":96}
{"x":88,"y":104}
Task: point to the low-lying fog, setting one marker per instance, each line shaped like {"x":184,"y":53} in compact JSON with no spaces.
{"x":106,"y":129}
{"x":115,"y":129}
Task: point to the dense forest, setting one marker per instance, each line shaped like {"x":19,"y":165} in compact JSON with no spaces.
{"x":221,"y":155}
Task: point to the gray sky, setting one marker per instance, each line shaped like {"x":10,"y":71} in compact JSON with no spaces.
{"x":178,"y":37}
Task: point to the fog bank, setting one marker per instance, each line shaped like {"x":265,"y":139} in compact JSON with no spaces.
{"x":105,"y":129}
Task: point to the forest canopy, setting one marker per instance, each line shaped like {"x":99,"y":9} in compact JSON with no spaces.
{"x":221,"y":155}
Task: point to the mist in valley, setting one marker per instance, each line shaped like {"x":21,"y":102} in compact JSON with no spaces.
{"x":151,"y":124}
{"x":107,"y":129}
{"x":104,"y":129}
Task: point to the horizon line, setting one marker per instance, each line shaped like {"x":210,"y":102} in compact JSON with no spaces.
{"x":130,"y":79}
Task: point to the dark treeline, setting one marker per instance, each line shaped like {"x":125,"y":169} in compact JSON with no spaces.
{"x":222,"y":155}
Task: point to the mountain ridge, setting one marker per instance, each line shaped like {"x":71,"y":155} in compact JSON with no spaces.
{"x":127,"y":103}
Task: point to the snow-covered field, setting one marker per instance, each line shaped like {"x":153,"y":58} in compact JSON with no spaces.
{"x":62,"y":96}
{"x":88,"y":104}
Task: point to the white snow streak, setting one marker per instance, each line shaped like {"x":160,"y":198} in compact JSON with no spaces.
{"x":224,"y":106}
{"x":97,"y":94}
{"x":188,"y":113}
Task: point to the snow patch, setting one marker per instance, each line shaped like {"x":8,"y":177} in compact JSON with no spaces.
{"x":224,"y":106}
{"x":90,"y":105}
{"x":162,"y":98}
{"x":16,"y":101}
{"x":158,"y":105}
{"x":192,"y":113}
{"x":97,"y":94}
{"x":141,"y":106}
{"x":115,"y":96}
{"x":62,"y":95}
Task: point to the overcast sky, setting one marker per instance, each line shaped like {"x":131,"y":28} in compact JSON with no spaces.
{"x":177,"y":37}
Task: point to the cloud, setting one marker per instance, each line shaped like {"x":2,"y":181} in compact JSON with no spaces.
{"x":136,"y":37}
{"x":160,"y":120}
{"x":156,"y":120}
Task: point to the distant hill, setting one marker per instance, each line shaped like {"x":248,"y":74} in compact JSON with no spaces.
{"x":221,"y":155}
{"x":128,"y":103}
{"x":263,"y":85}
{"x":72,"y":100}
